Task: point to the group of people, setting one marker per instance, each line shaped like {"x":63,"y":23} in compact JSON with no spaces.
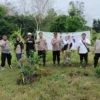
{"x":58,"y":45}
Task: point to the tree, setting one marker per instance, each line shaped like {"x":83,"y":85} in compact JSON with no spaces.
{"x":74,"y":23}
{"x":76,"y":20}
{"x":39,"y":8}
{"x":59,"y":25}
{"x":96,"y":25}
{"x":50,"y":18}
{"x":76,"y":9}
{"x":5,"y":27}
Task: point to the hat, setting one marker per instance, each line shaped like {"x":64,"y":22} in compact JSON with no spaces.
{"x":29,"y":33}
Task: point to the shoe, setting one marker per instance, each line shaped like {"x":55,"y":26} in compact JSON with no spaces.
{"x":93,"y":66}
{"x":2,"y":68}
{"x":80,"y":66}
{"x":10,"y":67}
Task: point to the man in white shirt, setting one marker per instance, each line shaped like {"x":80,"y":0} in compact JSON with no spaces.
{"x":83,"y":49}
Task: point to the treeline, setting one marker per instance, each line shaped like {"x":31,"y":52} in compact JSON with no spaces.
{"x":74,"y":21}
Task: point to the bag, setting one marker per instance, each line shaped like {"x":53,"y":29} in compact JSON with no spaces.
{"x":86,"y":47}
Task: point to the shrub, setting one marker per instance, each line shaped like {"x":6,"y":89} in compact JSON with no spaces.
{"x":98,"y":72}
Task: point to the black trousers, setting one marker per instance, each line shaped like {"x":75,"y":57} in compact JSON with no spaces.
{"x":56,"y":56}
{"x":96,"y":58}
{"x":42,"y":54}
{"x":84,"y":57}
{"x":5,"y":56}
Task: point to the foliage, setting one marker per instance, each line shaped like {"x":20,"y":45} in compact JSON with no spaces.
{"x":98,"y":72}
{"x":96,"y":25}
{"x":50,"y":18}
{"x":94,"y":37}
{"x":76,"y":9}
{"x":74,"y":23}
{"x":59,"y":25}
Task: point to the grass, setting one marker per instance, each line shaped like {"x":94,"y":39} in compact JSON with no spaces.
{"x":59,"y":86}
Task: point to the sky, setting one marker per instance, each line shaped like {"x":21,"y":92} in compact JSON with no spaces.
{"x":91,"y":9}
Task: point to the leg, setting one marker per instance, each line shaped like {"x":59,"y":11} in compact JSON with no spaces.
{"x":58,"y":57}
{"x":86,"y":58}
{"x":64,"y":58}
{"x":96,"y":58}
{"x":28,"y":54}
{"x":3,"y":59}
{"x":81,"y":59}
{"x":9,"y":59}
{"x":44,"y":57}
{"x":18,"y":56}
{"x":54,"y":57}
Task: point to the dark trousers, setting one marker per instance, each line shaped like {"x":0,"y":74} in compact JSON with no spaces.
{"x":96,"y":58}
{"x":5,"y":56}
{"x":42,"y":54}
{"x":29,"y":54}
{"x":84,"y":57}
{"x":56,"y":56}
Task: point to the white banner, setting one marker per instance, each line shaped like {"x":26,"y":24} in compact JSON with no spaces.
{"x":76,"y":35}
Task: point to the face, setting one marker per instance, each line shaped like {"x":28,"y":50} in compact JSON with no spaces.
{"x":29,"y":36}
{"x":83,"y":36}
{"x":55,"y":35}
{"x":18,"y":39}
{"x":41,"y":35}
{"x":68,"y":37}
{"x":4,"y":37}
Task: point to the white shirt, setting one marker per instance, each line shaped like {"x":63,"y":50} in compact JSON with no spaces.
{"x":83,"y":49}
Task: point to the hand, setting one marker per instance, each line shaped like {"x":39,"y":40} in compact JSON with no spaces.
{"x":27,"y":39}
{"x":93,"y":52}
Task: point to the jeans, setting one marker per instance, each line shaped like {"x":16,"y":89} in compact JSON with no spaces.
{"x":18,"y":56}
{"x":5,"y":56}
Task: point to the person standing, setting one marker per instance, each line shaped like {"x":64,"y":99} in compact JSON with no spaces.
{"x":67,"y":51}
{"x":42,"y":47}
{"x":96,"y":51}
{"x":18,"y":47}
{"x":83,"y":49}
{"x":5,"y":54}
{"x":56,"y":49}
{"x":30,"y":45}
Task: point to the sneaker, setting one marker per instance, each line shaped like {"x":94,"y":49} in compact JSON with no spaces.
{"x":2,"y":68}
{"x":80,"y":66}
{"x":93,"y":66}
{"x":10,"y":67}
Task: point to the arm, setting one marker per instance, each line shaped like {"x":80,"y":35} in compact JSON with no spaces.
{"x":37,"y":41}
{"x":78,"y":49}
{"x":53,"y":42}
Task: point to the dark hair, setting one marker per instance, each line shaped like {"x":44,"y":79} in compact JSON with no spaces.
{"x":16,"y":38}
{"x":40,"y":33}
{"x":55,"y":33}
{"x":83,"y":33}
{"x":4,"y":35}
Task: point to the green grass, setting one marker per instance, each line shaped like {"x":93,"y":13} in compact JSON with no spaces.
{"x":59,"y":86}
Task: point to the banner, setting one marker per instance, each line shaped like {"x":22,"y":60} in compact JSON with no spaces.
{"x":76,"y":35}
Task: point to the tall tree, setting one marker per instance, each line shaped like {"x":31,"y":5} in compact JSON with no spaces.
{"x":39,"y":8}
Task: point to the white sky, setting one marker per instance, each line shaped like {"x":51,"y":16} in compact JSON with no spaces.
{"x":92,"y":8}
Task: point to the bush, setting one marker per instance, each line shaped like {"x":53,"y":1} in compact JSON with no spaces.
{"x":98,"y":72}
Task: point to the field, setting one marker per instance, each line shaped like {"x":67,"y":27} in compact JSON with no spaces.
{"x":66,"y":83}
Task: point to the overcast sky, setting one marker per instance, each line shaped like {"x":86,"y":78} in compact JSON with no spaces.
{"x":92,"y":8}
